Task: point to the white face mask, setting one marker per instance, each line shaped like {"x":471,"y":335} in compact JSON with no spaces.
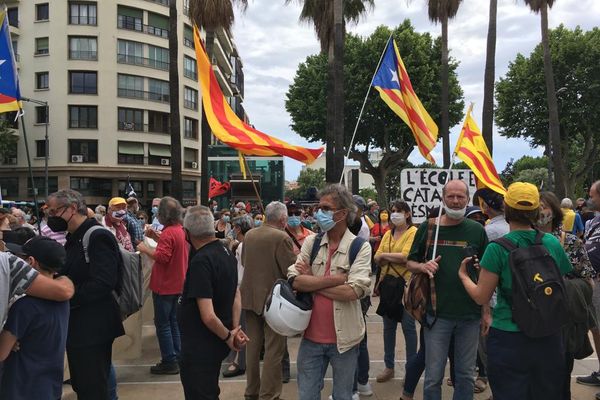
{"x":455,"y":214}
{"x":398,"y":219}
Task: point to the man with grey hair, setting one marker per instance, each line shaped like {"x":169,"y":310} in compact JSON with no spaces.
{"x":210,"y":308}
{"x":166,"y":282}
{"x":266,"y":255}
{"x":22,"y":218}
{"x":336,"y":326}
{"x":95,"y":321}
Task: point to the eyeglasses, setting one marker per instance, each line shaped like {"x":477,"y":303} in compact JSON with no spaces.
{"x":327,"y":208}
{"x":52,"y":212}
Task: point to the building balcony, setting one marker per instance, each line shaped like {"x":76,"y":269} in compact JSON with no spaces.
{"x":192,"y":105}
{"x":161,"y":2}
{"x":142,"y":95}
{"x":132,"y":24}
{"x":220,"y":57}
{"x":142,"y":61}
{"x":190,"y":74}
{"x":223,"y":81}
{"x":137,"y":127}
{"x":83,"y":55}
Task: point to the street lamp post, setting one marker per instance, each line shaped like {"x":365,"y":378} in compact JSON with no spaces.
{"x":46,"y":142}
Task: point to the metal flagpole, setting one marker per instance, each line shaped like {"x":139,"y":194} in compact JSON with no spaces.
{"x":46,"y":141}
{"x":365,"y":102}
{"x":35,"y":202}
{"x":439,"y":217}
{"x":260,"y":203}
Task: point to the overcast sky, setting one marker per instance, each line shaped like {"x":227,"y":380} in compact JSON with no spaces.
{"x":272,"y":43}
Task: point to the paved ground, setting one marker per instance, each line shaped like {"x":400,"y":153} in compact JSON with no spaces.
{"x":136,"y":382}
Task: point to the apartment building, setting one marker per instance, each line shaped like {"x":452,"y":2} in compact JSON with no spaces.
{"x":103,"y":68}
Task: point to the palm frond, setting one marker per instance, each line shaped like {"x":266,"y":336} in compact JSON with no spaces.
{"x":214,"y":14}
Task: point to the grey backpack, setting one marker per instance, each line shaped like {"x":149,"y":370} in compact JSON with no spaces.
{"x":129,"y":291}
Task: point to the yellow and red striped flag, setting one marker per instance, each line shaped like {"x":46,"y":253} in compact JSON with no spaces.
{"x":393,"y":84}
{"x":230,"y":129}
{"x":471,"y":148}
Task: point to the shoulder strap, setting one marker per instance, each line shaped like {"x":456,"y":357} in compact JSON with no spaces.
{"x":355,"y":248}
{"x":506,"y":243}
{"x":315,"y":247}
{"x":291,"y":235}
{"x":86,"y":241}
{"x":538,"y":237}
{"x":430,"y":226}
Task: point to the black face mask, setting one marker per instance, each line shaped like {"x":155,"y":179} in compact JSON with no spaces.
{"x":57,"y":224}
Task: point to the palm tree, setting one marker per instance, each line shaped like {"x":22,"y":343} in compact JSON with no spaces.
{"x":487,"y":117}
{"x":441,"y":11}
{"x":211,"y":15}
{"x":174,"y":125}
{"x":541,"y":7}
{"x":329,"y":18}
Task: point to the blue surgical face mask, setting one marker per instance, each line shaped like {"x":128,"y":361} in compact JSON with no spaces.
{"x":325,"y":220}
{"x":257,"y":222}
{"x":226,"y":218}
{"x":154,"y":210}
{"x":294,"y":221}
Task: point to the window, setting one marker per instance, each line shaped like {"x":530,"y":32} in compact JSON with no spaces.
{"x":41,"y":46}
{"x":15,"y":46}
{"x":41,"y":12}
{"x":188,"y":36}
{"x":131,"y":119}
{"x":92,"y":186}
{"x":83,"y":82}
{"x":189,"y":68}
{"x":42,"y":80}
{"x":158,"y":57}
{"x":130,"y":52}
{"x":189,"y":189}
{"x":83,"y":48}
{"x":131,"y":153}
{"x":190,"y":128}
{"x":40,"y":147}
{"x":190,"y":98}
{"x":158,"y":122}
{"x":13,"y":16}
{"x":40,"y":115}
{"x":40,"y":184}
{"x":85,"y":151}
{"x":10,"y":187}
{"x":190,"y":158}
{"x":131,"y":86}
{"x":159,"y":154}
{"x":158,"y":25}
{"x":82,"y":13}
{"x":150,"y":189}
{"x":138,"y":188}
{"x":83,"y":117}
{"x":130,"y":18}
{"x":158,"y":90}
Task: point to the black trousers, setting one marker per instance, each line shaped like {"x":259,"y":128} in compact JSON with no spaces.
{"x":523,"y":368}
{"x":200,"y":378}
{"x":89,"y":367}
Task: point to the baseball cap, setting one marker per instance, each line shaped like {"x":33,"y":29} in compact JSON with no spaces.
{"x":488,"y":196}
{"x":116,"y":201}
{"x":46,"y":251}
{"x":472,"y":210}
{"x":359,"y":201}
{"x":522,"y":196}
{"x":15,"y":239}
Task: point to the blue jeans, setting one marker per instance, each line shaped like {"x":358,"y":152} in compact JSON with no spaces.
{"x":437,"y":342}
{"x":389,"y":338}
{"x":362,"y":367}
{"x":313,"y":359}
{"x":414,"y":368}
{"x":167,"y":330}
{"x":112,"y":384}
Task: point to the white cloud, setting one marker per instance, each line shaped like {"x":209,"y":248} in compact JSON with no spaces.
{"x":272,"y":43}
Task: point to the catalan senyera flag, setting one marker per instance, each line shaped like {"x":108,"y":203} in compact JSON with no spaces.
{"x":393,"y":84}
{"x":10,"y":95}
{"x":231,"y":130}
{"x":471,"y":148}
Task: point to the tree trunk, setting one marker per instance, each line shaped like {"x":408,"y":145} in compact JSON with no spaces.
{"x":445,"y":124}
{"x":174,"y":128}
{"x":338,"y":87}
{"x":487,"y":125}
{"x":553,"y":125}
{"x":379,"y":178}
{"x":330,"y":173}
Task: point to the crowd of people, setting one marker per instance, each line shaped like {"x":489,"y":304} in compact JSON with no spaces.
{"x":213,"y":271}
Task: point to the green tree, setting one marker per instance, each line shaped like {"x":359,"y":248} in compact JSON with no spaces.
{"x":380,"y":127}
{"x":522,"y":107}
{"x":308,"y":178}
{"x":8,"y":140}
{"x":514,"y":168}
{"x":441,"y":11}
{"x":210,"y":15}
{"x":329,"y":19}
{"x":554,"y":139}
{"x":537,"y":176}
{"x":487,"y":118}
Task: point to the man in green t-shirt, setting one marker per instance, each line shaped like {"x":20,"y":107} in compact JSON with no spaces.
{"x":455,"y":312}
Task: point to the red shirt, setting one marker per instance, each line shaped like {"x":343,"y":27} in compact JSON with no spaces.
{"x":170,"y":261}
{"x":321,"y":328}
{"x":376,"y":230}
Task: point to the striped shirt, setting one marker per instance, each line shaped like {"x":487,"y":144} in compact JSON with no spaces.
{"x":60,"y":237}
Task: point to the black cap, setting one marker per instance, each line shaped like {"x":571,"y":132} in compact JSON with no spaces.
{"x":472,"y":210}
{"x":16,"y":238}
{"x":359,"y":201}
{"x":291,"y":204}
{"x":46,"y":251}
{"x":493,"y":199}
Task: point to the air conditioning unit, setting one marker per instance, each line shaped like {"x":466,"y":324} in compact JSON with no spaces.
{"x":77,"y":158}
{"x":194,"y":165}
{"x":164,"y":161}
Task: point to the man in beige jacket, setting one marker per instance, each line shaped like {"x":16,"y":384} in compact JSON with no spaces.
{"x":336,"y":326}
{"x":266,"y":256}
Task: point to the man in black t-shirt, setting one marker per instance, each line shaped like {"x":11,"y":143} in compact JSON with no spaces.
{"x":209,"y":310}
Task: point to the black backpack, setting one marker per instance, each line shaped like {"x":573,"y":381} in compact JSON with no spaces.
{"x":538,"y":298}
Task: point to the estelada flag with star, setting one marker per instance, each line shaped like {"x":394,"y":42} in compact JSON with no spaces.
{"x":393,"y":84}
{"x":10,"y":95}
{"x":229,"y":128}
{"x":471,"y":148}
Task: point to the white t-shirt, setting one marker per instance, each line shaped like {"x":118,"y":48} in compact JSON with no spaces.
{"x":364,"y":232}
{"x":240,"y":267}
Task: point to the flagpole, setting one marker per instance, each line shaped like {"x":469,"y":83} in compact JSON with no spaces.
{"x":34,"y":189}
{"x":439,"y":217}
{"x":260,"y":203}
{"x":365,"y":102}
